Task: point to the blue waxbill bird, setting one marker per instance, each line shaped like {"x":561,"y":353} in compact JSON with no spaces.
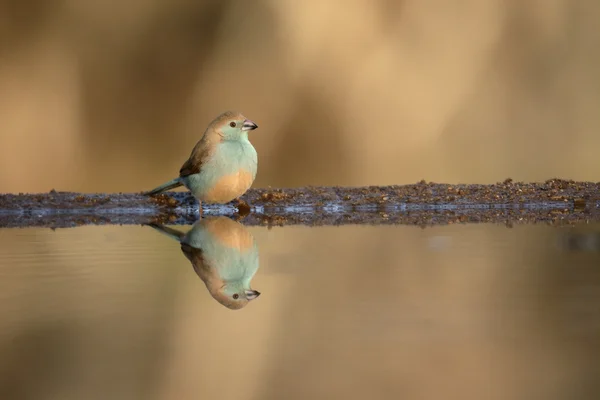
{"x":224,"y":255}
{"x":222,"y":165}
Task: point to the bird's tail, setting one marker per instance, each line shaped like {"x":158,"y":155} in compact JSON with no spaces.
{"x":164,"y":187}
{"x":170,"y":232}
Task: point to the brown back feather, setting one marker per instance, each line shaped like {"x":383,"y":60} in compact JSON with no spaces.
{"x":202,"y":150}
{"x":196,"y":258}
{"x":193,"y":165}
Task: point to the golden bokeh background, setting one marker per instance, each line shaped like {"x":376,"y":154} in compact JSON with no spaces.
{"x":111,"y":96}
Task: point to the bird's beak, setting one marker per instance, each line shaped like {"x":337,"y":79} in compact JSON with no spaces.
{"x":249,"y":125}
{"x":252,"y":294}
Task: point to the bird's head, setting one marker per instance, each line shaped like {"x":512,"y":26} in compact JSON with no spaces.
{"x":232,"y":125}
{"x":234,"y":297}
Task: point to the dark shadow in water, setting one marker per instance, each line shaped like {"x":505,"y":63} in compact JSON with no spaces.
{"x":224,"y":255}
{"x":587,"y":242}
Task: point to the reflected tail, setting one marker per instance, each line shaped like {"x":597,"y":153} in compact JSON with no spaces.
{"x":170,"y":232}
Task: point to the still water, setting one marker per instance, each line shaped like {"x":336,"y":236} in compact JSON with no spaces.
{"x":454,"y":312}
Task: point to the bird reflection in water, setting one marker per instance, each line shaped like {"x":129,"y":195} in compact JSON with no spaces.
{"x":224,"y":255}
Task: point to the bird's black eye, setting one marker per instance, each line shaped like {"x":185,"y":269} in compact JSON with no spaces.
{"x":235,"y":296}
{"x":232,"y":124}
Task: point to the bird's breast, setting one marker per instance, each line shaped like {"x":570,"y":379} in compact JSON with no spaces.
{"x":229,"y":234}
{"x":228,"y":187}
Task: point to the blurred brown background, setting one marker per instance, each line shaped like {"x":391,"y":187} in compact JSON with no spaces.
{"x":111,"y":96}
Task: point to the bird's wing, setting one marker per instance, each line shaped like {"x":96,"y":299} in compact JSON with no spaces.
{"x":199,"y":156}
{"x":196,"y":257}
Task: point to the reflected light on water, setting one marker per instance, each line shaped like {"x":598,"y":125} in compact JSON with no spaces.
{"x":479,"y":311}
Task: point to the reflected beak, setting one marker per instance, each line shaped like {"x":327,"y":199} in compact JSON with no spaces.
{"x":252,"y":294}
{"x":249,"y":125}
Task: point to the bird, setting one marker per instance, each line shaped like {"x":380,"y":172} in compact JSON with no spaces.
{"x":223,"y":254}
{"x":223,"y":164}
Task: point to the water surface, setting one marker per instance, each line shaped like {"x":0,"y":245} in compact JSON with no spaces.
{"x":459,"y":311}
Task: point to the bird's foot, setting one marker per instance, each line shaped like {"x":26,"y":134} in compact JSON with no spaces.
{"x":243,"y":207}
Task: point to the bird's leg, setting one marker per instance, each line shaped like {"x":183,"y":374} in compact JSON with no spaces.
{"x":242,"y":206}
{"x":238,"y":217}
{"x":199,"y":209}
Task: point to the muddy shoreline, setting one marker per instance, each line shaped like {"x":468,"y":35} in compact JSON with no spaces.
{"x":424,"y":204}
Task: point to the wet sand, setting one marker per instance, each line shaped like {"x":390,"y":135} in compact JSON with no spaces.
{"x":424,"y":204}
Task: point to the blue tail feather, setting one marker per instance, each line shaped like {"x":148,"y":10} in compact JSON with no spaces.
{"x":164,"y":187}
